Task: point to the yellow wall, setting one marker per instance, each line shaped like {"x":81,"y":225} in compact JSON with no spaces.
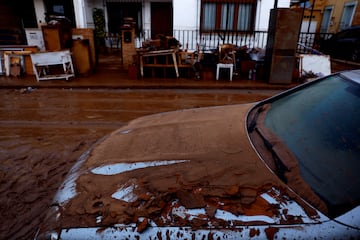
{"x":337,"y":13}
{"x":356,"y":20}
{"x":338,"y":7}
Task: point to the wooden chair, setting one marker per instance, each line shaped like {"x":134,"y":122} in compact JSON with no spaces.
{"x":226,"y":59}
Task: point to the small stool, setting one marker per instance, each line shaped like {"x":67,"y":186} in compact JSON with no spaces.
{"x":230,"y":66}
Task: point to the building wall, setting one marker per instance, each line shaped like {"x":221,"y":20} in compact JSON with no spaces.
{"x":80,"y":16}
{"x":356,"y":20}
{"x":186,"y":13}
{"x":338,"y":11}
{"x":40,"y":12}
{"x":89,"y":6}
{"x":317,"y":15}
{"x":263,"y":12}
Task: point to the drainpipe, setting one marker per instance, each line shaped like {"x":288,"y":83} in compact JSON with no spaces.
{"x":311,"y":14}
{"x":258,"y":14}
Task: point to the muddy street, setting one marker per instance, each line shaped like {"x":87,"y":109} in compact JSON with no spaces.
{"x":44,"y":131}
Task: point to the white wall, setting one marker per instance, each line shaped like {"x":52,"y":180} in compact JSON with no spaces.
{"x":186,"y":14}
{"x":80,"y":14}
{"x":263,"y":12}
{"x":89,"y":6}
{"x":147,"y":15}
{"x":39,"y":12}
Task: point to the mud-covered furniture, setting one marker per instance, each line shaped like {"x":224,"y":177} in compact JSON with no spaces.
{"x":53,"y":65}
{"x":226,"y":59}
{"x":158,"y":59}
{"x":14,"y":62}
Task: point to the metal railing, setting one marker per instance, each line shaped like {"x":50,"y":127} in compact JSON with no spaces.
{"x":310,"y":42}
{"x":192,"y":39}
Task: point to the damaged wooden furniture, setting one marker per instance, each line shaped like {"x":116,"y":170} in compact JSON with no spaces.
{"x":14,"y":62}
{"x":155,"y":63}
{"x":226,"y":59}
{"x":9,"y":49}
{"x":52,"y":65}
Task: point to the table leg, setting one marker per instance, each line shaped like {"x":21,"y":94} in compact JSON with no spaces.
{"x":142,"y":66}
{"x":175,"y":64}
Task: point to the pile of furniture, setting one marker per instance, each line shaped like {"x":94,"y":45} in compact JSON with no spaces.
{"x":163,"y":53}
{"x":55,"y":51}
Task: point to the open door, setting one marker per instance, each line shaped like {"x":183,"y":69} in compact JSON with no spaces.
{"x":161,"y":19}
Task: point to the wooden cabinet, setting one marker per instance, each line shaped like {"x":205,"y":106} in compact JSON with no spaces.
{"x":86,"y":34}
{"x":82,"y":56}
{"x":56,"y":37}
{"x":280,"y":59}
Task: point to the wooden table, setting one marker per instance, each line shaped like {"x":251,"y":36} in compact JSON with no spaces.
{"x":168,"y":52}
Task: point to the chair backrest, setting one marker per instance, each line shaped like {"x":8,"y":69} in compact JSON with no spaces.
{"x":227,"y":53}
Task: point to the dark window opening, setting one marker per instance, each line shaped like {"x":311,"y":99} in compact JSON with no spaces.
{"x":61,"y":8}
{"x":120,"y":13}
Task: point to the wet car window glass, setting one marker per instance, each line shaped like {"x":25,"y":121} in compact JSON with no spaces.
{"x":321,"y":127}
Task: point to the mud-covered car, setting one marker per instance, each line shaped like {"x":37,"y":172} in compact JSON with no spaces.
{"x":284,"y":168}
{"x":343,"y":45}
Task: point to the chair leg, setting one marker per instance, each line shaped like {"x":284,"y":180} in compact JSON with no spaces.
{"x":217,"y":72}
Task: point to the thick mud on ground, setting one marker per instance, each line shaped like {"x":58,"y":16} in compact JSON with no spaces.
{"x":44,"y":131}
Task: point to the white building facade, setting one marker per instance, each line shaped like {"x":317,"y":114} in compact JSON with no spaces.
{"x":185,"y":19}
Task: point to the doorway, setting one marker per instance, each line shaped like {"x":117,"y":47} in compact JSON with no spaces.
{"x":119,"y":12}
{"x":161,"y":25}
{"x":63,"y":8}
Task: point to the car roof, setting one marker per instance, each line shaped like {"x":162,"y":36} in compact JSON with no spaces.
{"x":353,"y":75}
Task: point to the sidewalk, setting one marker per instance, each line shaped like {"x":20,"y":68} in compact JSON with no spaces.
{"x":108,"y":76}
{"x":111,"y":79}
{"x":110,"y":73}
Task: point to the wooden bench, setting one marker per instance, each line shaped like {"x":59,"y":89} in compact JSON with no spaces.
{"x":43,"y":61}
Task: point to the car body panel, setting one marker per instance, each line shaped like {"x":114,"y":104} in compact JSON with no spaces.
{"x":212,"y":164}
{"x":351,"y":218}
{"x":328,"y":229}
{"x":187,"y":174}
{"x":324,"y":231}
